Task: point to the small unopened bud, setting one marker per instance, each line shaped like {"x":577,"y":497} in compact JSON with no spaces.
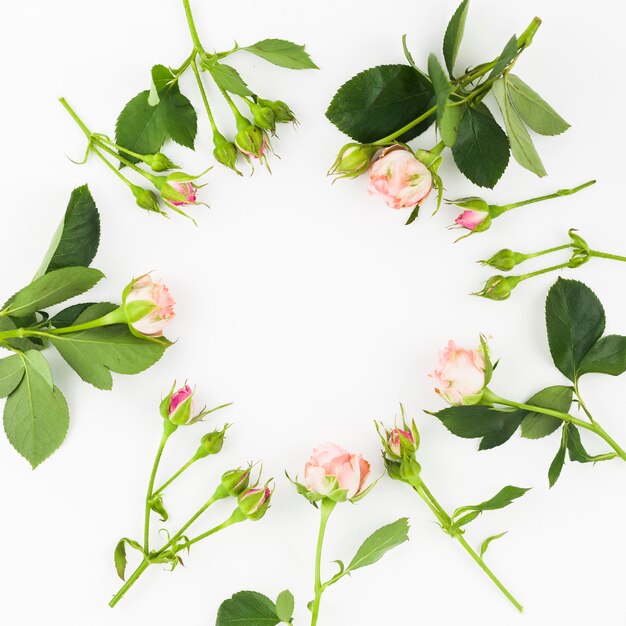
{"x":225,"y":152}
{"x":498,"y":287}
{"x":251,"y":141}
{"x":255,"y":502}
{"x":211,"y":443}
{"x":263,"y":116}
{"x":236,"y":481}
{"x":353,"y":160}
{"x":504,"y":260}
{"x":282,"y":113}
{"x":146,"y":199}
{"x":400,"y":441}
{"x":159,"y":162}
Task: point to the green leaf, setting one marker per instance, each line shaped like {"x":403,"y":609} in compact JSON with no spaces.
{"x":534,"y":110}
{"x":481,"y":150}
{"x":379,"y":543}
{"x":608,"y":356}
{"x":559,"y":460}
{"x":454,"y":35}
{"x":119,"y":555}
{"x":283,"y":53}
{"x":22,"y":344}
{"x":247,"y":608}
{"x":379,"y":101}
{"x":53,"y":288}
{"x":448,"y":117}
{"x":285,"y":605}
{"x":506,"y":56}
{"x":576,"y":449}
{"x":36,"y":417}
{"x":575,"y":322}
{"x":493,"y":426}
{"x":227,"y":78}
{"x":503,"y":498}
{"x":522,"y":146}
{"x":485,"y":544}
{"x":77,"y":237}
{"x":67,"y":317}
{"x":158,"y":506}
{"x":149,"y":119}
{"x":96,"y":352}
{"x":11,"y":373}
{"x":538,"y":425}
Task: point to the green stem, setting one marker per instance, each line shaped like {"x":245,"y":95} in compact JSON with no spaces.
{"x":406,"y":127}
{"x":169,"y":481}
{"x":545,"y":270}
{"x":111,"y":166}
{"x":241,"y":121}
{"x":496,"y":211}
{"x":75,"y":117}
{"x":124,"y":160}
{"x":129,"y":583}
{"x":205,"y":99}
{"x":534,"y":255}
{"x":235,"y":518}
{"x":104,"y":139}
{"x":146,"y":526}
{"x":197,"y":44}
{"x":489,"y":573}
{"x":606,"y":255}
{"x":326,"y":508}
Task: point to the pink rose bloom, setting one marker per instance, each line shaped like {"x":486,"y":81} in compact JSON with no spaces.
{"x":400,"y":178}
{"x":189,"y":190}
{"x":331,"y":467}
{"x":179,"y":397}
{"x":460,"y":375}
{"x":146,"y":290}
{"x":471,"y":219}
{"x":395,"y":438}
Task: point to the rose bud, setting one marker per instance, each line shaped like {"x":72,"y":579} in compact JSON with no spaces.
{"x":181,"y":407}
{"x":252,"y":141}
{"x":225,"y":152}
{"x":331,"y":469}
{"x":398,"y":439}
{"x":146,"y":199}
{"x":504,"y":260}
{"x":353,"y":160}
{"x":212,"y":443}
{"x":263,"y":116}
{"x":460,"y":375}
{"x":400,"y":178}
{"x":159,"y":162}
{"x":498,"y":287}
{"x":148,"y":306}
{"x":476,"y":215}
{"x":255,"y":502}
{"x":179,"y":193}
{"x":236,"y":481}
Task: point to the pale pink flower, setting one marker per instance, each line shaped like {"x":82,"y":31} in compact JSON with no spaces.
{"x":146,"y":290}
{"x":331,"y":467}
{"x":189,"y":190}
{"x":460,"y":375}
{"x":471,"y":218}
{"x":400,"y":178}
{"x":395,"y":440}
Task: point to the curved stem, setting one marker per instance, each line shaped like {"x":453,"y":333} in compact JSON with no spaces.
{"x":406,"y":127}
{"x":75,"y":117}
{"x":170,"y":480}
{"x":197,"y":44}
{"x":129,"y":583}
{"x":606,"y":255}
{"x":326,"y":508}
{"x":149,"y":494}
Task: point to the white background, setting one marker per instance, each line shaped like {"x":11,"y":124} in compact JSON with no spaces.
{"x":315,"y":311}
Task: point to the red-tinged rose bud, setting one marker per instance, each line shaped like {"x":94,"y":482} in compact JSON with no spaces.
{"x":400,"y":440}
{"x":148,"y":306}
{"x":255,"y":502}
{"x":252,"y":141}
{"x":236,"y":481}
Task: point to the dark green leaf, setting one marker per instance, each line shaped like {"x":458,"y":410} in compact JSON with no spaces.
{"x":247,"y":608}
{"x":285,"y":605}
{"x":493,"y":426}
{"x":36,"y":417}
{"x":77,"y":238}
{"x":503,"y":498}
{"x":151,"y":117}
{"x":559,"y":460}
{"x":481,"y":150}
{"x":379,"y":543}
{"x":485,"y":544}
{"x":506,"y":56}
{"x":537,"y":425}
{"x":227,"y":78}
{"x":283,"y":53}
{"x":522,"y":145}
{"x":608,"y":356}
{"x":381,"y":100}
{"x":67,"y":317}
{"x":576,"y":449}
{"x":53,"y":288}
{"x":448,"y":117}
{"x":11,"y":373}
{"x":575,"y":321}
{"x":454,"y":35}
{"x":96,"y":352}
{"x":534,"y":110}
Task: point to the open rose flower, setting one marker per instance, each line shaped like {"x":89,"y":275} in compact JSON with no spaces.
{"x":460,"y":375}
{"x":149,"y":306}
{"x":400,"y":178}
{"x":332,"y":468}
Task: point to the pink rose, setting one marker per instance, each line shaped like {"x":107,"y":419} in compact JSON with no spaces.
{"x":149,"y":294}
{"x":331,"y":467}
{"x":460,"y":375}
{"x":179,"y":397}
{"x":400,"y":178}
{"x":189,"y":190}
{"x":471,"y":219}
{"x":395,"y":437}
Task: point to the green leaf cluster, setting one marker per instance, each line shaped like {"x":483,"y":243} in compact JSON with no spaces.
{"x":251,"y":608}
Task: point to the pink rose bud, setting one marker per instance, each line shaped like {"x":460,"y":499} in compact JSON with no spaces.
{"x":187,"y":190}
{"x":331,"y":468}
{"x":252,"y":141}
{"x":148,"y":305}
{"x":472,"y":219}
{"x":398,"y":176}
{"x":255,"y":502}
{"x":181,"y":406}
{"x":460,"y":375}
{"x":395,"y":440}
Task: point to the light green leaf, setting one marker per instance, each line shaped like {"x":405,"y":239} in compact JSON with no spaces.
{"x":96,"y":352}
{"x":556,"y":466}
{"x":534,"y":110}
{"x":247,"y":608}
{"x":119,"y":555}
{"x":283,"y":53}
{"x":522,"y":145}
{"x":36,"y":417}
{"x":485,"y":544}
{"x":77,"y":237}
{"x":37,"y":362}
{"x":379,"y":543}
{"x":11,"y":373}
{"x":608,"y":356}
{"x":228,"y":78}
{"x":454,"y":35}
{"x":285,"y":605}
{"x":538,"y":425}
{"x":53,"y":288}
{"x":503,"y":498}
